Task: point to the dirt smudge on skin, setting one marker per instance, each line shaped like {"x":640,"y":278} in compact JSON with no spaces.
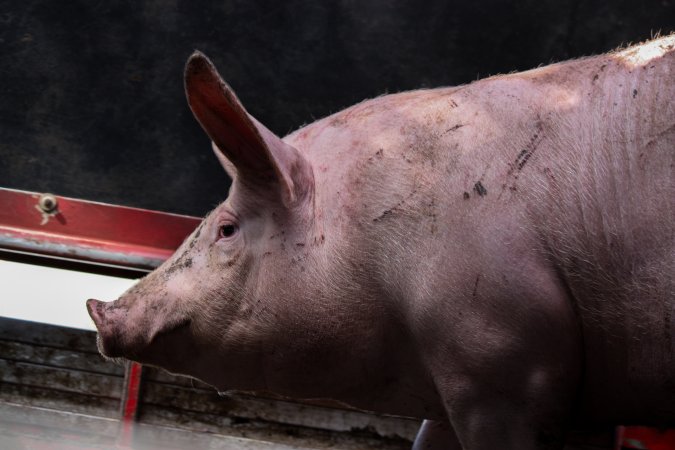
{"x":549,"y":173}
{"x":479,"y":189}
{"x":454,"y":128}
{"x":422,"y":143}
{"x":523,"y":156}
{"x":378,"y":155}
{"x":475,"y":287}
{"x":396,"y":207}
{"x":530,"y":148}
{"x":181,"y":263}
{"x":199,"y":230}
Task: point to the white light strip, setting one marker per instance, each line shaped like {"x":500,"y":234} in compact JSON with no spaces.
{"x":55,"y":296}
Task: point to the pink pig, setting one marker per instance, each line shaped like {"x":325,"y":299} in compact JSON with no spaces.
{"x":497,"y":258}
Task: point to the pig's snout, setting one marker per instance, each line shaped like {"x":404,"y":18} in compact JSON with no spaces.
{"x":103,"y":316}
{"x":94,"y":310}
{"x":134,"y":329}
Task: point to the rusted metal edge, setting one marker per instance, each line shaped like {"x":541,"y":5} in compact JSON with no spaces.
{"x":89,"y":232}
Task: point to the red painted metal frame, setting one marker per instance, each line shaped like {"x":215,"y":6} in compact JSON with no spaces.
{"x":90,"y":232}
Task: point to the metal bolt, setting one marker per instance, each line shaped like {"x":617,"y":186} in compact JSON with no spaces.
{"x":47,"y":203}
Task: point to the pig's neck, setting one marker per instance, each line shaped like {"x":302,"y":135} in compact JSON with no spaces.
{"x":351,"y":345}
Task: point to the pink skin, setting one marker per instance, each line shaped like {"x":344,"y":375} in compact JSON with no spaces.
{"x":497,"y":257}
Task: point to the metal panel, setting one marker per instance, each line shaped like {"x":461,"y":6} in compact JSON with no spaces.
{"x":58,"y":368}
{"x":176,"y":396}
{"x":89,"y":231}
{"x":50,"y":369}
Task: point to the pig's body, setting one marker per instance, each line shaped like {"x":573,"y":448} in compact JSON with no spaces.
{"x":500,"y":255}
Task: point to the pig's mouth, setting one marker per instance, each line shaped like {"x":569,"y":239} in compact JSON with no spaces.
{"x":118,"y":341}
{"x":119,"y":360}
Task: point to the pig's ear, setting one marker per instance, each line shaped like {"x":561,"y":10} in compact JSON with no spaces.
{"x":226,"y":163}
{"x":258,"y":156}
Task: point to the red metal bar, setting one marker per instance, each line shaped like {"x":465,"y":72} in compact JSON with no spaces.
{"x":90,"y":232}
{"x":131,"y":391}
{"x":129,"y":404}
{"x":648,"y":438}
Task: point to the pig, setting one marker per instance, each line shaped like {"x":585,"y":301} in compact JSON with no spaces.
{"x":495,"y":258}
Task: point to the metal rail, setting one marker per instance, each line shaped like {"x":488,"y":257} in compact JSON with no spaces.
{"x":89,"y":232}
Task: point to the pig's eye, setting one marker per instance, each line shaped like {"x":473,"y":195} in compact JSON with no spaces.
{"x":227,"y":230}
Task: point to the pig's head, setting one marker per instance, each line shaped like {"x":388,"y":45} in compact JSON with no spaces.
{"x":252,"y":299}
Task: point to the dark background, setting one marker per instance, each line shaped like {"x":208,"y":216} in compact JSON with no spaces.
{"x":91,"y":94}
